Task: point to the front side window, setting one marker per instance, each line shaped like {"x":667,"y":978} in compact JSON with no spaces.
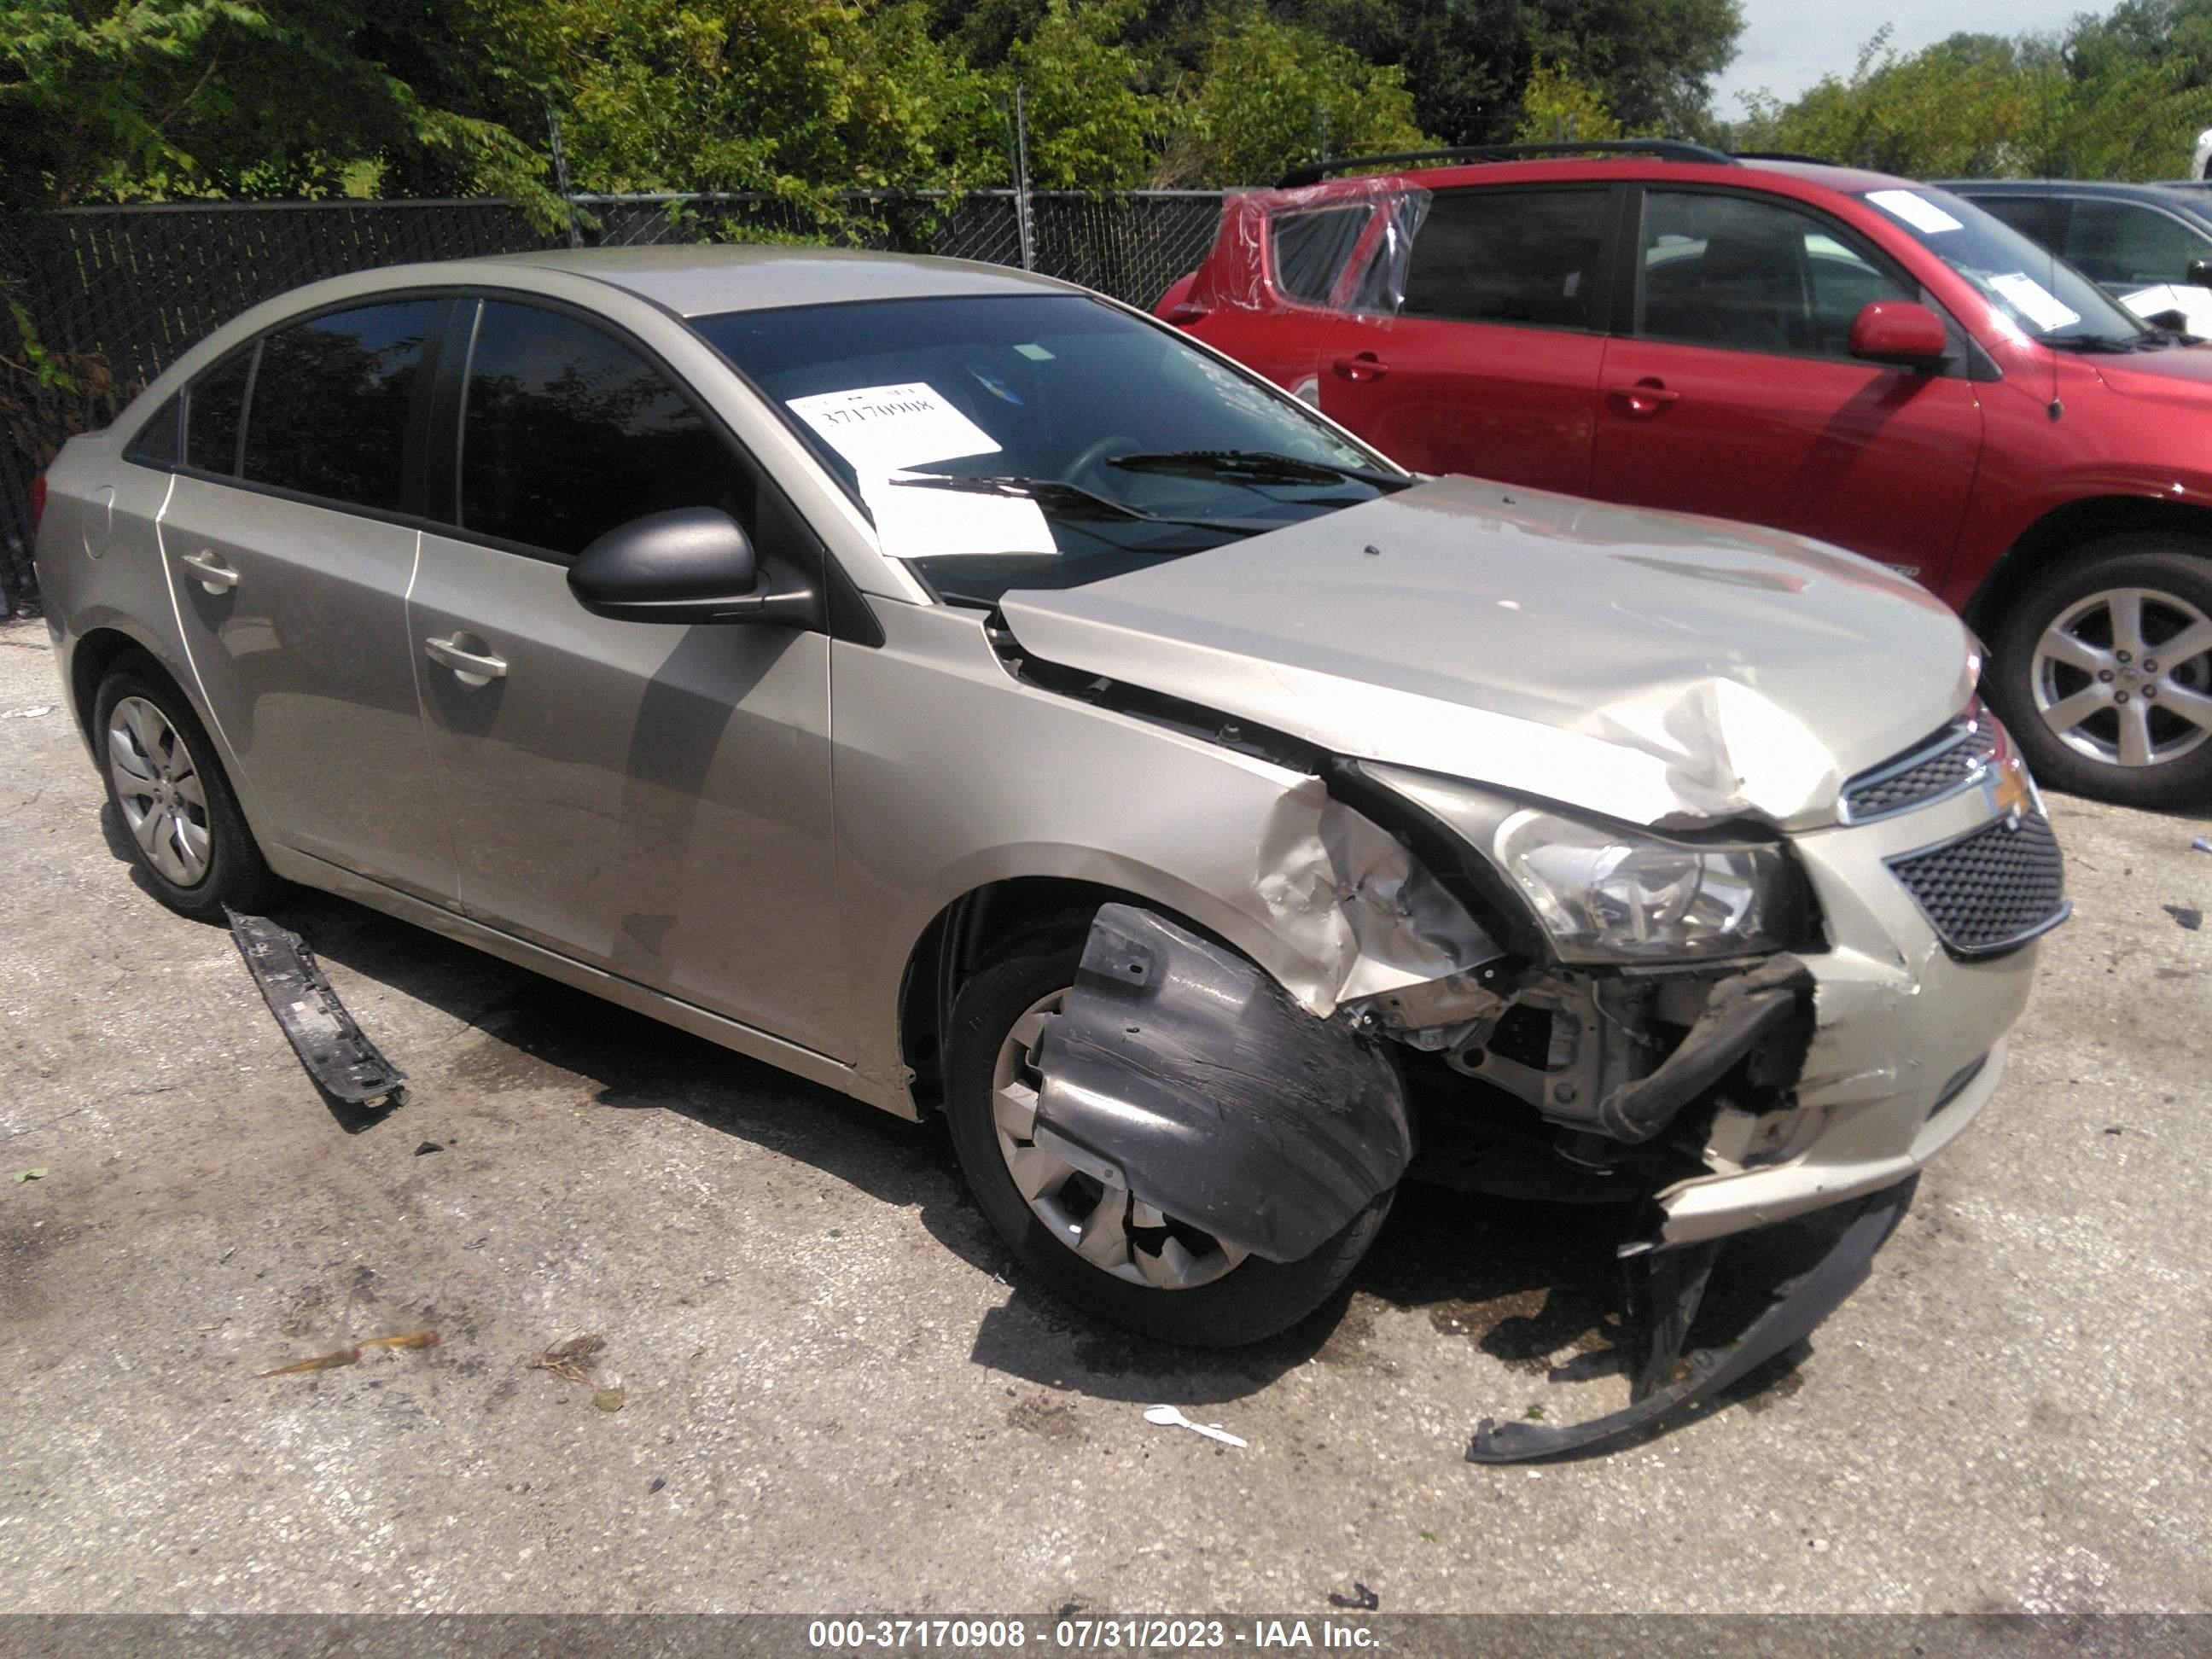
{"x":1039,"y":441}
{"x":1751,"y":274}
{"x":2123,"y":245}
{"x":215,"y":411}
{"x":332,"y":401}
{"x":1510,"y":256}
{"x":567,"y":432}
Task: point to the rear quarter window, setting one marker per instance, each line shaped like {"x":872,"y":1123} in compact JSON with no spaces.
{"x":1311,"y":249}
{"x":215,"y":411}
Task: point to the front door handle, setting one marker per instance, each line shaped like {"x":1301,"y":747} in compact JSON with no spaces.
{"x":469,"y":657}
{"x":1365,"y":367}
{"x":1647,"y":397}
{"x":209,"y":571}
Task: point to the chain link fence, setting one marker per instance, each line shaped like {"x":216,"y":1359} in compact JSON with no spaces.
{"x":132,"y":288}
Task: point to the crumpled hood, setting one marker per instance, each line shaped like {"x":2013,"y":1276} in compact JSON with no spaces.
{"x":1652,"y":667}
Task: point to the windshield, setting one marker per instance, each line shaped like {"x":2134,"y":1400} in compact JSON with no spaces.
{"x":2042,"y":295}
{"x":1109,"y":441}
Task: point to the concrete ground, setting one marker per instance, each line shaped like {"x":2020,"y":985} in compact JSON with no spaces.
{"x":836,"y":1394}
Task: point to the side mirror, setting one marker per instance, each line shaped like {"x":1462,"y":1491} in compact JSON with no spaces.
{"x":692,"y":564}
{"x":2200,"y":272}
{"x":1900,"y":331}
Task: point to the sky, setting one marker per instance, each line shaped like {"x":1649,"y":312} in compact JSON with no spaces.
{"x":1786,"y":46}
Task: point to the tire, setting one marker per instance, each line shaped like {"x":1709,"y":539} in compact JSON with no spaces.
{"x":2141,"y":742}
{"x":1226,"y":1304}
{"x":188,"y":838}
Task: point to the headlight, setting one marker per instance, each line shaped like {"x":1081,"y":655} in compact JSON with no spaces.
{"x":1605,"y":892}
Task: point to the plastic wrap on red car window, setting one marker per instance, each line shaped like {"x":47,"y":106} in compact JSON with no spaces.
{"x":1340,"y":245}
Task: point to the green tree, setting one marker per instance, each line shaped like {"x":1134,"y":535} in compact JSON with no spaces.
{"x":1556,"y":105}
{"x":1273,"y":93}
{"x":1091,"y":123}
{"x":109,"y":99}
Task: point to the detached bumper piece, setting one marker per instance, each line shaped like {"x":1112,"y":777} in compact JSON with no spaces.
{"x":1182,"y":1072}
{"x":1821,"y":1259}
{"x":343,"y":1063}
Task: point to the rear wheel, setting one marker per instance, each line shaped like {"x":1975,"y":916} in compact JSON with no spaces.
{"x":1110,"y":1254}
{"x":2103,"y":671}
{"x":187,"y":836}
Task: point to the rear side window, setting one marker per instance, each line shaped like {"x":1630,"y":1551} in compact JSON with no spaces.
{"x":2123,"y":245}
{"x":1510,"y":256}
{"x":567,"y":432}
{"x":1311,"y":249}
{"x":330,"y":403}
{"x":214,"y":408}
{"x":2028,"y":215}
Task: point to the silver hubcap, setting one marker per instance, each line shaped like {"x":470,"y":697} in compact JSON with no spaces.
{"x":1100,"y":1223}
{"x":2124,"y":677}
{"x":159,"y":786}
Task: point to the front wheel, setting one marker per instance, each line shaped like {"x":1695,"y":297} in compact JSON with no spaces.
{"x":1112,"y":1255}
{"x":2103,"y":671}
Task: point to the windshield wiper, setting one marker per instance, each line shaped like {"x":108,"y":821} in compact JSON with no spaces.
{"x":2156,"y":339}
{"x":1067,"y":500}
{"x":1260,"y":465}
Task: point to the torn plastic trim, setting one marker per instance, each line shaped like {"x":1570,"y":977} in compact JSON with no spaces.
{"x":1739,"y":1014}
{"x":1672,"y":1290}
{"x":342,"y":1061}
{"x":1368,"y":258}
{"x":1187,"y":1073}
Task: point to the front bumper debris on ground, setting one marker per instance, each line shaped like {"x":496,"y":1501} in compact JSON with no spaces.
{"x":342,"y":1061}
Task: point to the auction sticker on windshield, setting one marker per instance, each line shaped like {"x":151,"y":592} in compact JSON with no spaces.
{"x":1917,"y":211}
{"x":885,"y":431}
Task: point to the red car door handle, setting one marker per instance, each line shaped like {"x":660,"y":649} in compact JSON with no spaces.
{"x":1646,"y":397}
{"x":1365,"y":367}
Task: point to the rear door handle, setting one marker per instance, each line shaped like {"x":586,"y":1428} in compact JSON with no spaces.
{"x":1365,"y":367}
{"x":469,"y":657}
{"x":209,"y":571}
{"x":1646,"y":397}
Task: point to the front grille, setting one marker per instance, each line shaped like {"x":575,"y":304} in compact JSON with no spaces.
{"x":1994,"y":889}
{"x":1935,"y":769}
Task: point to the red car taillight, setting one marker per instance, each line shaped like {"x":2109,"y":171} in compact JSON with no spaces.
{"x":38,"y":503}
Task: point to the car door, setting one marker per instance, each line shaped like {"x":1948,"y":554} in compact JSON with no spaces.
{"x":653,"y":800}
{"x":2139,"y":254}
{"x":290,"y":545}
{"x":1491,"y":365}
{"x":1736,"y":394}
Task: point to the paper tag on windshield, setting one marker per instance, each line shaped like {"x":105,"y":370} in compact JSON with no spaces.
{"x":881,"y":428}
{"x":884,"y":430}
{"x":2034,"y":302}
{"x":1917,"y":211}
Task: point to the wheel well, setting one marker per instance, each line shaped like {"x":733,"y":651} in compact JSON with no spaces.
{"x":2049,"y":540}
{"x":975,"y":929}
{"x":96,"y":656}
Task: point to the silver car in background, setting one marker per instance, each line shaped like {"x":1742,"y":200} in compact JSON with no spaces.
{"x":964,"y":692}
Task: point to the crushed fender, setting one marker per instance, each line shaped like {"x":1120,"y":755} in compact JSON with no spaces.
{"x":1668,"y":1386}
{"x":343,"y":1063}
{"x":1183,"y":1072}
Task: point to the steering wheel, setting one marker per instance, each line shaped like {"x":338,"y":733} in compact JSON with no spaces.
{"x":1093,"y":461}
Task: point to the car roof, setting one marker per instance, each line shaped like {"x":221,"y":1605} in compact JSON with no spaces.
{"x":1643,"y":168}
{"x":701,"y":279}
{"x":2184,"y":196}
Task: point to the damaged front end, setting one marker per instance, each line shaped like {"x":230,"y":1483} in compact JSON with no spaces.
{"x":1756,"y":1043}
